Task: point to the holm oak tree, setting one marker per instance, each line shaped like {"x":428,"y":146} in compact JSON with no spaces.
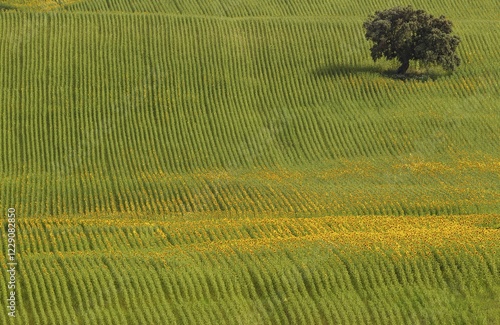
{"x":405,"y":34}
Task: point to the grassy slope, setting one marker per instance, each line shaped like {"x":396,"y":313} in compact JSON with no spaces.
{"x":35,"y":5}
{"x":162,"y":114}
{"x":136,"y":269}
{"x":461,"y":9}
{"x":116,"y":113}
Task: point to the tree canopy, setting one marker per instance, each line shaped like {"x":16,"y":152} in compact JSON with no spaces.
{"x":405,"y":34}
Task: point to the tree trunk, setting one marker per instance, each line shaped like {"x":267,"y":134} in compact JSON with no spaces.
{"x":402,"y":69}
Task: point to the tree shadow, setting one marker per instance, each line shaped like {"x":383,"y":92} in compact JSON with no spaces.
{"x":414,"y":75}
{"x":345,"y":69}
{"x":336,"y":70}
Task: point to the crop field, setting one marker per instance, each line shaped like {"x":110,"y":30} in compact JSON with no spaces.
{"x":101,"y":269}
{"x":246,"y":162}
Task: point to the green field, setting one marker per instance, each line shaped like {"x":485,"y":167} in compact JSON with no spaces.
{"x":191,"y":162}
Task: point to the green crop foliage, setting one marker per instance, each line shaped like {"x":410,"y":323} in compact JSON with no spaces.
{"x":287,"y":270}
{"x":192,"y":162}
{"x":125,"y":112}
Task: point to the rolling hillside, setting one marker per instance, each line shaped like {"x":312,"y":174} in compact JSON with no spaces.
{"x":163,"y":113}
{"x":255,"y":137}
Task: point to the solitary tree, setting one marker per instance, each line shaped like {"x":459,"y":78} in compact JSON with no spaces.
{"x":405,"y":34}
